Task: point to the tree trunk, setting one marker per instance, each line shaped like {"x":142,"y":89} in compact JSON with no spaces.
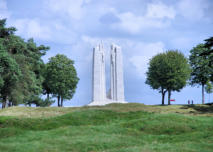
{"x":203,"y":101}
{"x":9,"y":104}
{"x":169,"y":97}
{"x":3,"y":104}
{"x":4,"y":101}
{"x":62,"y":101}
{"x":163,"y":95}
{"x":58,"y":101}
{"x":48,"y":96}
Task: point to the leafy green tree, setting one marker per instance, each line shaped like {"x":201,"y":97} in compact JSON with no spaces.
{"x":36,"y":65}
{"x":201,"y":71}
{"x":155,"y":74}
{"x":168,"y":71}
{"x":46,"y":102}
{"x":29,"y":84}
{"x":209,"y":53}
{"x":178,"y":71}
{"x":209,"y":88}
{"x":209,"y":44}
{"x":61,"y":77}
{"x":27,"y":55}
{"x":5,"y":32}
{"x":45,"y":84}
{"x":9,"y":72}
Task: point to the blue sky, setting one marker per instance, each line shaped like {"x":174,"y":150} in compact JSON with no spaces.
{"x":142,"y":28}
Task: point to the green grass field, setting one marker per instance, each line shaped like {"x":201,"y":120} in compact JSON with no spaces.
{"x":112,"y":128}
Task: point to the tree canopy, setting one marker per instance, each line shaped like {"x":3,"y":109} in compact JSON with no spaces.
{"x":201,"y":71}
{"x":209,"y":44}
{"x":24,"y":76}
{"x":61,"y":78}
{"x":168,"y":71}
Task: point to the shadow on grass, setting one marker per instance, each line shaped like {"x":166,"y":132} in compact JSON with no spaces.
{"x":201,"y":109}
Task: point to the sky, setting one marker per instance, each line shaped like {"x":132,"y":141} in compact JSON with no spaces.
{"x":143,"y":28}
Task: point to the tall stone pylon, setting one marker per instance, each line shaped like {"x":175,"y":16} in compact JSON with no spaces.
{"x":98,"y":75}
{"x":116,"y":77}
{"x":116,"y":92}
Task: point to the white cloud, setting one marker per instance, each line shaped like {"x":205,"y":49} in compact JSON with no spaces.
{"x":32,"y":28}
{"x":192,"y":9}
{"x":135,"y":24}
{"x":160,"y":10}
{"x":4,"y":13}
{"x":72,"y":8}
{"x":49,"y":30}
{"x":143,"y":52}
{"x":87,"y":1}
{"x":158,"y":15}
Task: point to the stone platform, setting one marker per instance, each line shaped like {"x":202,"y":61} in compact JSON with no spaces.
{"x":102,"y":103}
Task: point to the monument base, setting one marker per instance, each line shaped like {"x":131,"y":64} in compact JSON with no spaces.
{"x":102,"y":103}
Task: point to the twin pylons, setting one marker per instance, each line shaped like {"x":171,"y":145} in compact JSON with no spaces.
{"x":116,"y":92}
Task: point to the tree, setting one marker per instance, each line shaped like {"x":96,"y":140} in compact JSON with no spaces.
{"x":9,"y":69}
{"x":209,"y":88}
{"x":168,"y":71}
{"x":26,"y":57}
{"x":178,"y":71}
{"x":209,"y":44}
{"x":5,"y":32}
{"x":155,"y":74}
{"x":201,"y":71}
{"x":9,"y":72}
{"x":36,"y":65}
{"x":61,"y":77}
{"x":45,"y":84}
{"x":209,"y":53}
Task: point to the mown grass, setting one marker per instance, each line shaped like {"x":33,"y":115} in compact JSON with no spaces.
{"x":111,"y":128}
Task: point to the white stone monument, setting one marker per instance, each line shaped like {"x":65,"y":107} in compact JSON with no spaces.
{"x":98,"y":75}
{"x":116,"y":78}
{"x":116,"y":92}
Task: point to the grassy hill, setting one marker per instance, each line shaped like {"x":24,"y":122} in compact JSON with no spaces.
{"x":113,"y":128}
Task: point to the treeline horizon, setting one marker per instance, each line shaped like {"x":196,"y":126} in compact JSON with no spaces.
{"x":172,"y":71}
{"x":24,"y":77}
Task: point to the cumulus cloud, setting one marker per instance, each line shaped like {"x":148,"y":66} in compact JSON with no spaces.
{"x":32,"y":28}
{"x":143,"y":52}
{"x":135,"y":24}
{"x":192,"y":10}
{"x":160,"y":10}
{"x":72,"y":8}
{"x":109,"y":18}
{"x":158,"y":15}
{"x":4,"y":12}
{"x":52,"y":31}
